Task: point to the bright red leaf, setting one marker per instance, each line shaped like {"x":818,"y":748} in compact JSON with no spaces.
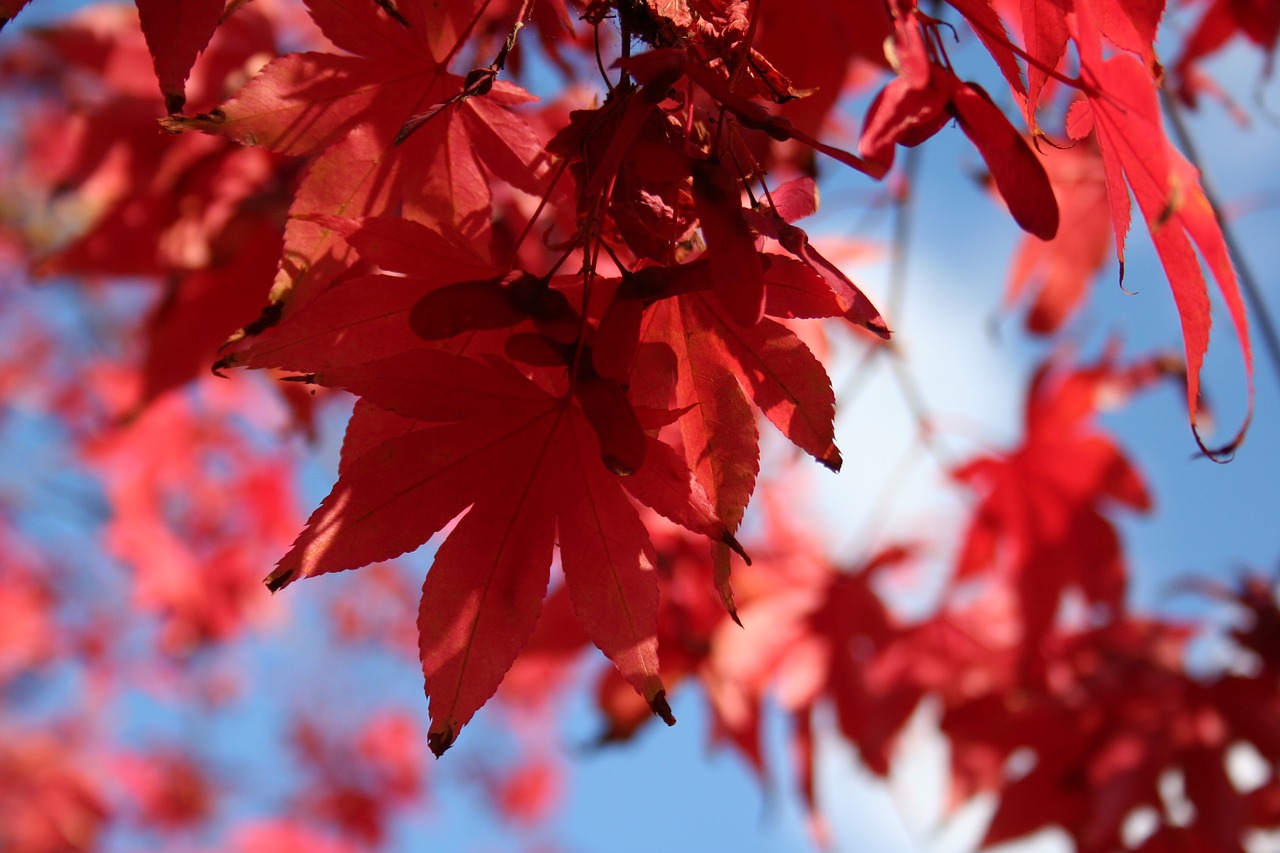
{"x":1121,"y":106}
{"x":530,"y":476}
{"x":177,"y":31}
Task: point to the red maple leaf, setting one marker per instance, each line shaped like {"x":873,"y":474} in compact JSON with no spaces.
{"x":358,"y":777}
{"x":1113,"y":716}
{"x":200,"y":214}
{"x":1039,"y":523}
{"x":1120,"y":105}
{"x":177,"y":31}
{"x":349,"y":111}
{"x":679,"y":348}
{"x":339,"y":327}
{"x":1059,"y":271}
{"x":1223,"y":20}
{"x":528,"y":468}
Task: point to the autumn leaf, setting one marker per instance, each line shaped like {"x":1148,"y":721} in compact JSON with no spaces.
{"x":177,"y":31}
{"x":1040,"y":521}
{"x":1058,"y":272}
{"x":10,"y":8}
{"x":367,"y":317}
{"x":1121,"y":107}
{"x":716,"y":365}
{"x":525,"y":479}
{"x":1221,"y":22}
{"x":348,"y":111}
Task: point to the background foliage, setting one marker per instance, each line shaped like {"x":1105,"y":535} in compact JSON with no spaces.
{"x":1034,"y":619}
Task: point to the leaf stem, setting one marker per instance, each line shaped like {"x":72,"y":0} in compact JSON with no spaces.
{"x":1073,"y":82}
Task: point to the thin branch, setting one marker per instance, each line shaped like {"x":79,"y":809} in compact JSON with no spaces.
{"x":913,"y":396}
{"x":901,"y":238}
{"x":900,"y":253}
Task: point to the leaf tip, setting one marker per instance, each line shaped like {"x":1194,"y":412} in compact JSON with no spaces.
{"x":660,"y":708}
{"x":440,"y":741}
{"x":1225,"y":453}
{"x":174,"y":102}
{"x":279,"y":579}
{"x":722,"y":569}
{"x":225,"y":363}
{"x":736,"y":546}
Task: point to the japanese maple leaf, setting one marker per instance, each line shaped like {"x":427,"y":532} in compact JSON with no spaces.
{"x":10,"y":8}
{"x":811,"y":41}
{"x":46,"y":786}
{"x":1120,"y":105}
{"x":1039,"y":522}
{"x":1057,"y":272}
{"x":198,"y":213}
{"x":169,"y":787}
{"x":99,"y":138}
{"x":177,"y":31}
{"x":348,"y":111}
{"x":528,"y":793}
{"x":526,"y":467}
{"x":359,"y":776}
{"x":1223,"y":20}
{"x":366,"y":317}
{"x":690,"y":616}
{"x":180,"y":477}
{"x":815,"y":640}
{"x":1116,"y":713}
{"x":707,"y":361}
{"x":201,"y":309}
{"x":668,"y":335}
{"x":547,"y":663}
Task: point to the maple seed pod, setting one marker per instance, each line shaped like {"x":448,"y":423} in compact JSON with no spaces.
{"x":550,"y":310}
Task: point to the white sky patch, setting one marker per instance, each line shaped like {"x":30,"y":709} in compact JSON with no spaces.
{"x":892,"y":488}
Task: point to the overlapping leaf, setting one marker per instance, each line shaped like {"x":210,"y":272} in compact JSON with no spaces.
{"x":1121,"y":107}
{"x":349,"y":110}
{"x":1040,"y":523}
{"x":526,"y":468}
